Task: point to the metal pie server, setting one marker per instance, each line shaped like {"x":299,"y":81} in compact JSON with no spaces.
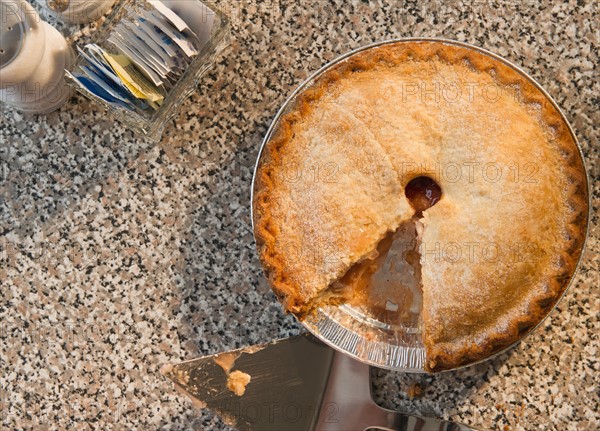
{"x":295,"y":384}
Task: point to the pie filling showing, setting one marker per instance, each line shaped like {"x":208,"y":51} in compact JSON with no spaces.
{"x":347,"y":210}
{"x":387,"y":282}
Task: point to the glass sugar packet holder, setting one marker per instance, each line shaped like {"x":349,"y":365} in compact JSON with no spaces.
{"x":208,"y":24}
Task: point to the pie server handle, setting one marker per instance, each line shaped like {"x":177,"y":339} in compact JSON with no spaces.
{"x":347,"y":404}
{"x":382,"y":419}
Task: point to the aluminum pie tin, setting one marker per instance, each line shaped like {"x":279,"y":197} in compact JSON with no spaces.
{"x":348,"y":329}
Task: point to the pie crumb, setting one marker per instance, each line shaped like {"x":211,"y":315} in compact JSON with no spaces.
{"x":414,"y":391}
{"x":166,"y":369}
{"x":173,"y":372}
{"x":226,"y":360}
{"x":237,"y":382}
{"x":228,"y":418}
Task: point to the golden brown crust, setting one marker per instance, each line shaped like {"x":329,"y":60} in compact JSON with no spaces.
{"x":554,"y":270}
{"x":301,"y":267}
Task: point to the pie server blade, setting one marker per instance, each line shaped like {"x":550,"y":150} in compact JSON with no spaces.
{"x":296,"y":384}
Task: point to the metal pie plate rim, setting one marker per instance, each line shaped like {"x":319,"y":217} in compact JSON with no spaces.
{"x":323,"y":323}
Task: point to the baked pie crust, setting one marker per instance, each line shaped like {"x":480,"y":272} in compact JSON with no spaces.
{"x":499,"y":248}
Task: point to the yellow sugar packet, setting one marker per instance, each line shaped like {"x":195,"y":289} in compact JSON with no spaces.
{"x":133,"y":79}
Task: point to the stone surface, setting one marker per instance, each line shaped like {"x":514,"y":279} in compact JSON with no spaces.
{"x":118,"y":255}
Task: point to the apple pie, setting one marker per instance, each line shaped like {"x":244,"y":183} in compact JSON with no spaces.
{"x":447,"y":148}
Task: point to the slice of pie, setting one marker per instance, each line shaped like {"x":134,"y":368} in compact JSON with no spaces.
{"x":443,"y":145}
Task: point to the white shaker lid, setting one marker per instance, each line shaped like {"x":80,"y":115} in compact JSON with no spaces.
{"x":22,"y":41}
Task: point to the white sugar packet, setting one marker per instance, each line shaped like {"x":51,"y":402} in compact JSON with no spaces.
{"x":180,"y":39}
{"x":158,"y":54}
{"x":137,"y":58}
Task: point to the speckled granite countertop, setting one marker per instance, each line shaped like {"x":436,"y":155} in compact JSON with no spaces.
{"x":118,"y":255}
